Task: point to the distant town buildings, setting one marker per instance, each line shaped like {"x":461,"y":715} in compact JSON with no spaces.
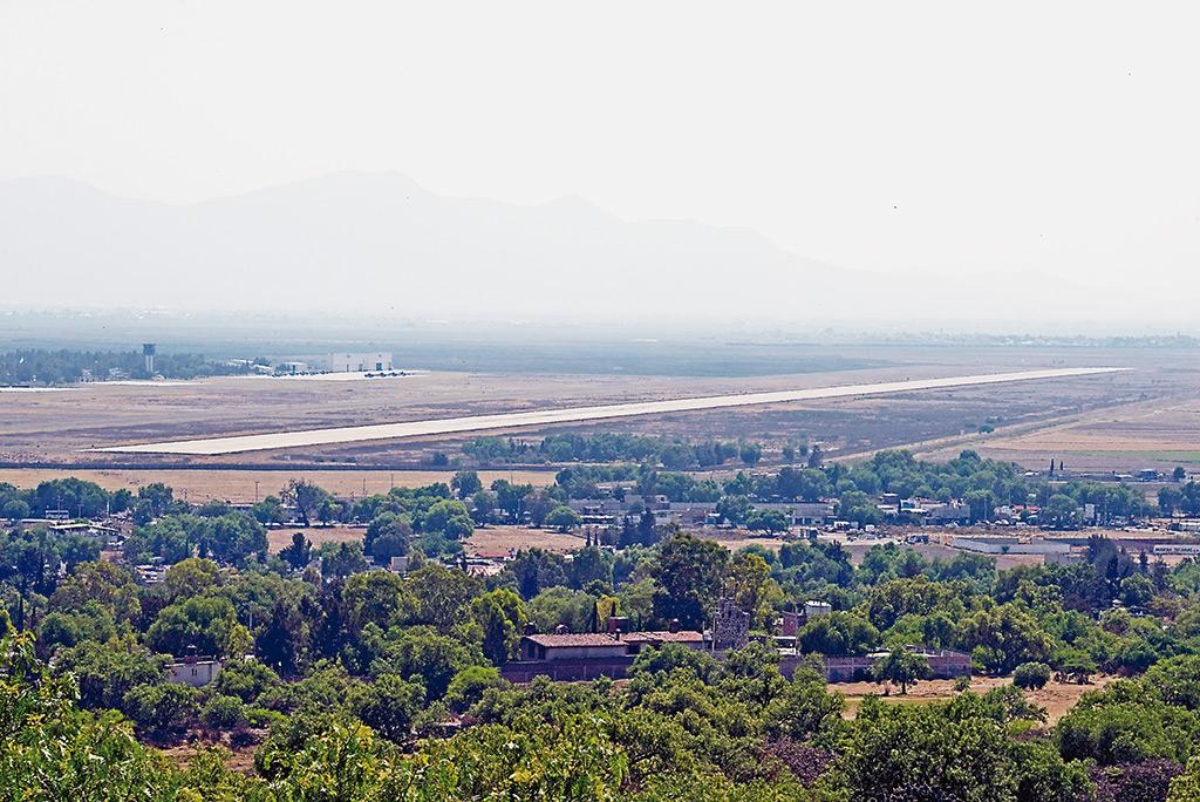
{"x":377,"y":362}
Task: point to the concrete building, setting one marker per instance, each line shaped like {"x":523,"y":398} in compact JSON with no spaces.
{"x":945,"y":664}
{"x":377,"y":362}
{"x":600,"y":645}
{"x":1010,"y":545}
{"x":195,"y":671}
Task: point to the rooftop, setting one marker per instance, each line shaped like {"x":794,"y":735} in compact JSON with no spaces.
{"x":664,"y":637}
{"x":574,"y":639}
{"x":601,"y":639}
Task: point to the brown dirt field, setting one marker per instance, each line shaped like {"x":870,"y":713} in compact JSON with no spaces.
{"x":1155,"y":434}
{"x":241,"y":760}
{"x":241,"y":486}
{"x":1057,"y":698}
{"x":282,"y":538}
{"x":501,"y":539}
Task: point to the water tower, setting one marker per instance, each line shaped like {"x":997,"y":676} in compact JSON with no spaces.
{"x":148,"y":352}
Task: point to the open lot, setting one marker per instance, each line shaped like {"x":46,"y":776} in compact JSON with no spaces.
{"x":502,"y":539}
{"x":1057,"y":697}
{"x":282,"y":538}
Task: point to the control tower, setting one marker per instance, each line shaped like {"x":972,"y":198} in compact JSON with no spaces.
{"x":148,"y":352}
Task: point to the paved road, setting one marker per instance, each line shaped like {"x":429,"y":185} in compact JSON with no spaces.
{"x":514,"y":420}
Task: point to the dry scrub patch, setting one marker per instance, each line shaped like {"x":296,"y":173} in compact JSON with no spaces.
{"x":502,"y":539}
{"x":1057,"y":697}
{"x":1160,"y":433}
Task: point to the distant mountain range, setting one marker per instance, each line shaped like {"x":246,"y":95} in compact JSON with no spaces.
{"x":379,"y":243}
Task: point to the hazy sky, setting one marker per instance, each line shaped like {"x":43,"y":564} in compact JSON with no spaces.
{"x":1038,"y":137}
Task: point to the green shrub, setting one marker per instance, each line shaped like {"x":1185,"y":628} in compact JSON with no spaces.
{"x":1031,"y":675}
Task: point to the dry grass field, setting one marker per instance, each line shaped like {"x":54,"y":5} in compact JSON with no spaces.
{"x":1153,"y":434}
{"x":1057,"y":697}
{"x":282,"y":538}
{"x":502,"y":539}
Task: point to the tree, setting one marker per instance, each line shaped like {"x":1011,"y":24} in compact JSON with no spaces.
{"x":106,"y":672}
{"x":688,"y":574}
{"x":501,"y":615}
{"x":768,"y":521}
{"x":419,"y":654}
{"x":1170,"y":499}
{"x":281,"y":642}
{"x":51,"y":750}
{"x":1061,"y":511}
{"x":858,"y":507}
{"x":306,"y":497}
{"x":535,"y":570}
{"x":815,"y":457}
{"x":341,"y":559}
{"x":563,"y":518}
{"x":1186,"y":787}
{"x":299,"y":554}
{"x":749,"y":575}
{"x":376,"y":597}
{"x":735,"y":509}
{"x":202,"y":623}
{"x":223,"y":713}
{"x":169,"y":706}
{"x":190,"y":577}
{"x":16,"y":510}
{"x":268,"y":511}
{"x":1112,"y":731}
{"x":511,"y":497}
{"x":483,"y":507}
{"x":901,"y":667}
{"x":468,"y":686}
{"x":389,"y":706}
{"x":750,"y":453}
{"x":539,"y":504}
{"x":926,"y":753}
{"x":158,"y":496}
{"x":838,"y":634}
{"x":448,"y":518}
{"x":466,"y":484}
{"x":103,"y":582}
{"x":442,"y":595}
{"x":388,"y":535}
{"x":1031,"y":676}
{"x":1003,"y":637}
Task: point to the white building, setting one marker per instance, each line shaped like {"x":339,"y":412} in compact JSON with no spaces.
{"x":377,"y":362}
{"x":194,"y":671}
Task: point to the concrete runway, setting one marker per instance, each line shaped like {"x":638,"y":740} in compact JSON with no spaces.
{"x":516,"y":420}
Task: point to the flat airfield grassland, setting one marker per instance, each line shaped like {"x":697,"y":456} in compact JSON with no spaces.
{"x":62,"y":426}
{"x":1159,"y":434}
{"x":41,"y":431}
